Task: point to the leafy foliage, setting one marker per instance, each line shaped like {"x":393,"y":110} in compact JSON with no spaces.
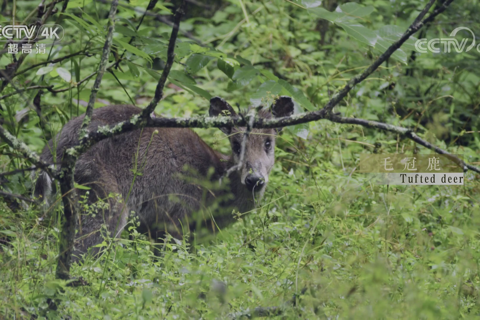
{"x":360,"y":250}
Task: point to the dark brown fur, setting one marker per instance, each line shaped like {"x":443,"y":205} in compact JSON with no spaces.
{"x":163,"y":194}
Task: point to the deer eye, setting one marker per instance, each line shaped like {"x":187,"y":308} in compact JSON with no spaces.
{"x":236,"y":147}
{"x":268,"y":145}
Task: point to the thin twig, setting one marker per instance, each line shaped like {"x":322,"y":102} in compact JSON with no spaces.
{"x":150,"y":6}
{"x":102,"y":67}
{"x":50,"y":61}
{"x":22,"y":148}
{"x":9,"y":173}
{"x":17,"y":63}
{"x":414,"y":27}
{"x":166,"y":70}
{"x":25,"y":89}
{"x":157,"y":17}
{"x":17,"y":196}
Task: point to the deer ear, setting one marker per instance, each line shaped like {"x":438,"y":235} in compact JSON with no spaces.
{"x":220,"y":107}
{"x":282,"y":107}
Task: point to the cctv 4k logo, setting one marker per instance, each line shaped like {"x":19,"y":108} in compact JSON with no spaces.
{"x":22,"y":32}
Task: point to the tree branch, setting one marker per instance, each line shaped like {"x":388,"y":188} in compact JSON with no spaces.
{"x":102,"y":67}
{"x":22,"y":148}
{"x":408,"y":133}
{"x":166,"y":70}
{"x":25,"y":89}
{"x":416,"y":25}
{"x":48,"y":61}
{"x":16,"y":64}
{"x":15,"y":196}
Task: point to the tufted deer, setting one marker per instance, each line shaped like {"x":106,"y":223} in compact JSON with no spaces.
{"x":164,"y":195}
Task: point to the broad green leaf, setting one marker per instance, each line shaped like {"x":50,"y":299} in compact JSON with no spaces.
{"x":297,"y":95}
{"x":266,"y":93}
{"x":155,"y":49}
{"x":195,"y":48}
{"x":43,"y":71}
{"x":269,"y":75}
{"x":64,"y":74}
{"x":228,"y":66}
{"x":382,"y":45}
{"x":154,"y":73}
{"x":325,"y":14}
{"x":245,"y":75}
{"x":181,"y":77}
{"x":196,"y":62}
{"x":193,"y":88}
{"x":78,"y":3}
{"x":182,"y":49}
{"x":132,"y":49}
{"x":216,"y":54}
{"x":392,"y":34}
{"x":355,"y":10}
{"x":163,"y":8}
{"x":360,"y":33}
{"x":127,"y":32}
{"x":8,"y":233}
{"x":310,"y":3}
{"x":455,"y":230}
{"x":300,"y":130}
{"x":147,"y":295}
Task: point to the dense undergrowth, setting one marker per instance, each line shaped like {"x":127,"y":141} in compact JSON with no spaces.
{"x":325,"y":241}
{"x":354,"y":249}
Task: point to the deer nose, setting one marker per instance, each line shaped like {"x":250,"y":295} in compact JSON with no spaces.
{"x":254,"y":182}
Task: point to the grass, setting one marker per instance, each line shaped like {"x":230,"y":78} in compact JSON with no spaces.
{"x":326,"y":243}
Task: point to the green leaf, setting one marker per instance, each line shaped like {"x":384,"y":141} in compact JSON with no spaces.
{"x":79,"y":186}
{"x":163,"y":8}
{"x":133,"y":69}
{"x":216,"y":54}
{"x":78,"y":3}
{"x":181,"y":77}
{"x":327,"y":15}
{"x":182,"y":49}
{"x":147,"y":295}
{"x":297,"y":95}
{"x":196,"y":62}
{"x":310,"y":3}
{"x":155,"y":75}
{"x":269,"y":75}
{"x":300,"y":130}
{"x":132,"y":49}
{"x":360,"y":33}
{"x":228,"y":66}
{"x":64,"y":74}
{"x":8,"y":233}
{"x":93,"y":21}
{"x":266,"y":93}
{"x":245,"y":75}
{"x":43,"y":71}
{"x":382,"y":45}
{"x":156,"y":49}
{"x":195,"y":48}
{"x":455,"y":230}
{"x":127,"y":32}
{"x":355,"y":10}
{"x":88,"y":27}
{"x":392,"y":34}
{"x":193,"y":88}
